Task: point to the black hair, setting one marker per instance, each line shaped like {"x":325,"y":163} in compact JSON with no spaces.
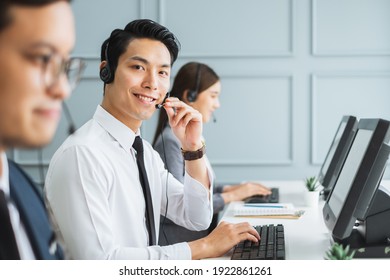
{"x":185,"y":80}
{"x":5,"y":5}
{"x":117,"y":43}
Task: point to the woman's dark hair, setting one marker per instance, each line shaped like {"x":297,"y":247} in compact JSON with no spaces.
{"x":5,"y":5}
{"x":114,"y":46}
{"x":185,"y":80}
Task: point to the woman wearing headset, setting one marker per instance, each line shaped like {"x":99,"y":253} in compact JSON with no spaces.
{"x":199,"y":86}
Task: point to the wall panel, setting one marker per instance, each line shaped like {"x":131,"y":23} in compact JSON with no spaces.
{"x":261,"y":103}
{"x":365,"y":95}
{"x":231,"y":28}
{"x":289,"y":70}
{"x":351,"y":27}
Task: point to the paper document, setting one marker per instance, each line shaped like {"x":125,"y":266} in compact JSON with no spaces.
{"x":272,"y":210}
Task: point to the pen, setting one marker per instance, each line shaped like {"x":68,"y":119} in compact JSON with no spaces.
{"x":263,"y":206}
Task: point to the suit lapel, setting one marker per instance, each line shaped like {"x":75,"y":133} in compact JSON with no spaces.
{"x":32,"y":212}
{"x":8,"y":246}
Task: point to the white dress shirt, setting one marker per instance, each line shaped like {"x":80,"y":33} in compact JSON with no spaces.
{"x":24,"y":246}
{"x":94,"y":193}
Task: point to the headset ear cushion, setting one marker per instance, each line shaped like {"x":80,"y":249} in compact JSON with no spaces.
{"x":191,"y":95}
{"x":105,"y":74}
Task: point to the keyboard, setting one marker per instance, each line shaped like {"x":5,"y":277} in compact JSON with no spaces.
{"x":270,"y":247}
{"x":272,"y":198}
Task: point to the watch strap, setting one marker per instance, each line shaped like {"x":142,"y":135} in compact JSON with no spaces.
{"x":194,"y":155}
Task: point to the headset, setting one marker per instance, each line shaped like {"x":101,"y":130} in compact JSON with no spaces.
{"x":159,"y":106}
{"x":192,"y":94}
{"x":105,"y":73}
{"x":68,"y":116}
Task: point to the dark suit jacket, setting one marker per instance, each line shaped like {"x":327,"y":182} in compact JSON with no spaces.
{"x":31,"y":207}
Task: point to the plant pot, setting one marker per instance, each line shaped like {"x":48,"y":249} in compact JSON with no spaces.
{"x":311,"y":199}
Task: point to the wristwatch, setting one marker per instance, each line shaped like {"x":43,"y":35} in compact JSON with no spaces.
{"x":194,"y":155}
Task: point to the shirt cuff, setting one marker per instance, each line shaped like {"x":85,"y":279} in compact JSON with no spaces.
{"x":199,"y":188}
{"x":179,"y":251}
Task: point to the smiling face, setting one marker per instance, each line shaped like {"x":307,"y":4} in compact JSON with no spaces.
{"x":29,"y":111}
{"x":207,"y":101}
{"x":141,"y":81}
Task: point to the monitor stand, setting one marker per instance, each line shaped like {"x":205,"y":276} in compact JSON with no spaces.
{"x":325,"y":193}
{"x":371,"y":239}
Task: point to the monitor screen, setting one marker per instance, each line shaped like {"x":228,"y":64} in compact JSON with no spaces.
{"x":358,"y":178}
{"x":337,"y":152}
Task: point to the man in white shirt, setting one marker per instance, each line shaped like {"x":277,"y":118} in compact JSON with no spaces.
{"x":36,"y":38}
{"x":93,"y":184}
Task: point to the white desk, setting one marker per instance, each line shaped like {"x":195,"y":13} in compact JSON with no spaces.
{"x":307,"y":238}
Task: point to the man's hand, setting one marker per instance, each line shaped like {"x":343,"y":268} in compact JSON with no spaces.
{"x":222,"y":239}
{"x":186,"y":123}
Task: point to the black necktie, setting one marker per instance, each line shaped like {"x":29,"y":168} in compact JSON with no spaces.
{"x":8,"y":247}
{"x":138,"y":146}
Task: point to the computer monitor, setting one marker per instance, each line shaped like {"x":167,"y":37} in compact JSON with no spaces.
{"x":352,"y":197}
{"x":337,"y":153}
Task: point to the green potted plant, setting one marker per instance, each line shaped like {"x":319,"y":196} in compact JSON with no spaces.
{"x":311,"y":183}
{"x":312,"y":193}
{"x":339,"y":252}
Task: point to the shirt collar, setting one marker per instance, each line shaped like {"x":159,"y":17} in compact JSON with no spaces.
{"x":118,"y":130}
{"x":4,"y":182}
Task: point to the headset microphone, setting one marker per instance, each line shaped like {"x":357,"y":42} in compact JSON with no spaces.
{"x":214,"y":118}
{"x":159,"y":106}
{"x":71,"y":127}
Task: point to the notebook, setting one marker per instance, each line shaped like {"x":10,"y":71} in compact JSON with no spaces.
{"x":268,"y":210}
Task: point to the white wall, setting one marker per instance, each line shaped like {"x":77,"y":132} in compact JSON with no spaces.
{"x":290,"y":70}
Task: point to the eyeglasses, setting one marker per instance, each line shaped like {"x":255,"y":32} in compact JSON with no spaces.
{"x":54,"y":66}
